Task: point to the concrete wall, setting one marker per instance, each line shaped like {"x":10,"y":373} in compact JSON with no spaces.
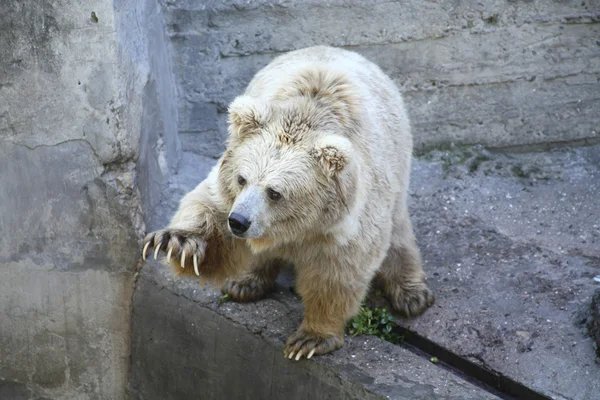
{"x":87,"y":133}
{"x":499,"y":72}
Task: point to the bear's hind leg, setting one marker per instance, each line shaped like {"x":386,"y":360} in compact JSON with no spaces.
{"x":256,"y":283}
{"x":401,"y":276}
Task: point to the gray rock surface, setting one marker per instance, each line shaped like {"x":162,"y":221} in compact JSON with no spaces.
{"x":499,"y":73}
{"x":593,"y":324}
{"x":511,"y":245}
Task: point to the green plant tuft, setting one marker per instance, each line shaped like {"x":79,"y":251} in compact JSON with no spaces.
{"x":376,"y":322}
{"x":224,"y":299}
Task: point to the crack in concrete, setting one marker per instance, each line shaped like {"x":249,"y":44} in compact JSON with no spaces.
{"x":28,"y":147}
{"x":483,"y":376}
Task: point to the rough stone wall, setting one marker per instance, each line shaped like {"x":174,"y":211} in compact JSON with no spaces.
{"x":151,"y":95}
{"x":87,"y":133}
{"x":499,"y":73}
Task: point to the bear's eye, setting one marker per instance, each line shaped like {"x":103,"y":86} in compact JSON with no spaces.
{"x":241,"y":180}
{"x":273,"y":195}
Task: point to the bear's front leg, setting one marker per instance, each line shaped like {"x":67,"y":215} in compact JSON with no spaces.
{"x":330,"y":300}
{"x":197,"y":242}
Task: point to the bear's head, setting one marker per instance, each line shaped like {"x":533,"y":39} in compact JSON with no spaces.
{"x":289,"y":173}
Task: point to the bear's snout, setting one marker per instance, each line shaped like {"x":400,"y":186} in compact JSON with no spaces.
{"x":238,"y":224}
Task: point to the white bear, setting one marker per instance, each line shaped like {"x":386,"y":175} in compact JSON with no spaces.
{"x":315,"y":173}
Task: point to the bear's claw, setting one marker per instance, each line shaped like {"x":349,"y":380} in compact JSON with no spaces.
{"x":145,"y":249}
{"x":304,"y":343}
{"x":176,"y":242}
{"x":156,"y":251}
{"x":196,"y":264}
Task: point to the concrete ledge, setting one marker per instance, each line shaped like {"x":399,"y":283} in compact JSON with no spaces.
{"x":186,"y":346}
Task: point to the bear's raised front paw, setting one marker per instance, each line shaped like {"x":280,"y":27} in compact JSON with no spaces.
{"x":303,"y":343}
{"x":248,"y":287}
{"x":182,"y":247}
{"x":411,"y":300}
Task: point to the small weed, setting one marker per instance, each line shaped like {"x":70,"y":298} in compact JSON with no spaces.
{"x":455,"y":157}
{"x":517,"y":171}
{"x":529,"y":172}
{"x":492,"y":20}
{"x":464,"y":157}
{"x":224,"y":299}
{"x":476,"y":162}
{"x":376,"y":322}
{"x":434,"y":360}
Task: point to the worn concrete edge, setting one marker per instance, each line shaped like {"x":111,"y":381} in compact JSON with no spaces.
{"x":531,"y":147}
{"x":328,"y":375}
{"x":208,"y":301}
{"x":446,"y":33}
{"x":385,"y":357}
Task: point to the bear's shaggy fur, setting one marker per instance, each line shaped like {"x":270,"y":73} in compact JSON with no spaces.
{"x":317,"y":167}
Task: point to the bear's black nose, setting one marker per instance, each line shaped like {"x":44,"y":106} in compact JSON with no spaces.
{"x":238,"y":223}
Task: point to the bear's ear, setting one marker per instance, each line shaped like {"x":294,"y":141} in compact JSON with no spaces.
{"x":334,"y":153}
{"x":246,"y":115}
